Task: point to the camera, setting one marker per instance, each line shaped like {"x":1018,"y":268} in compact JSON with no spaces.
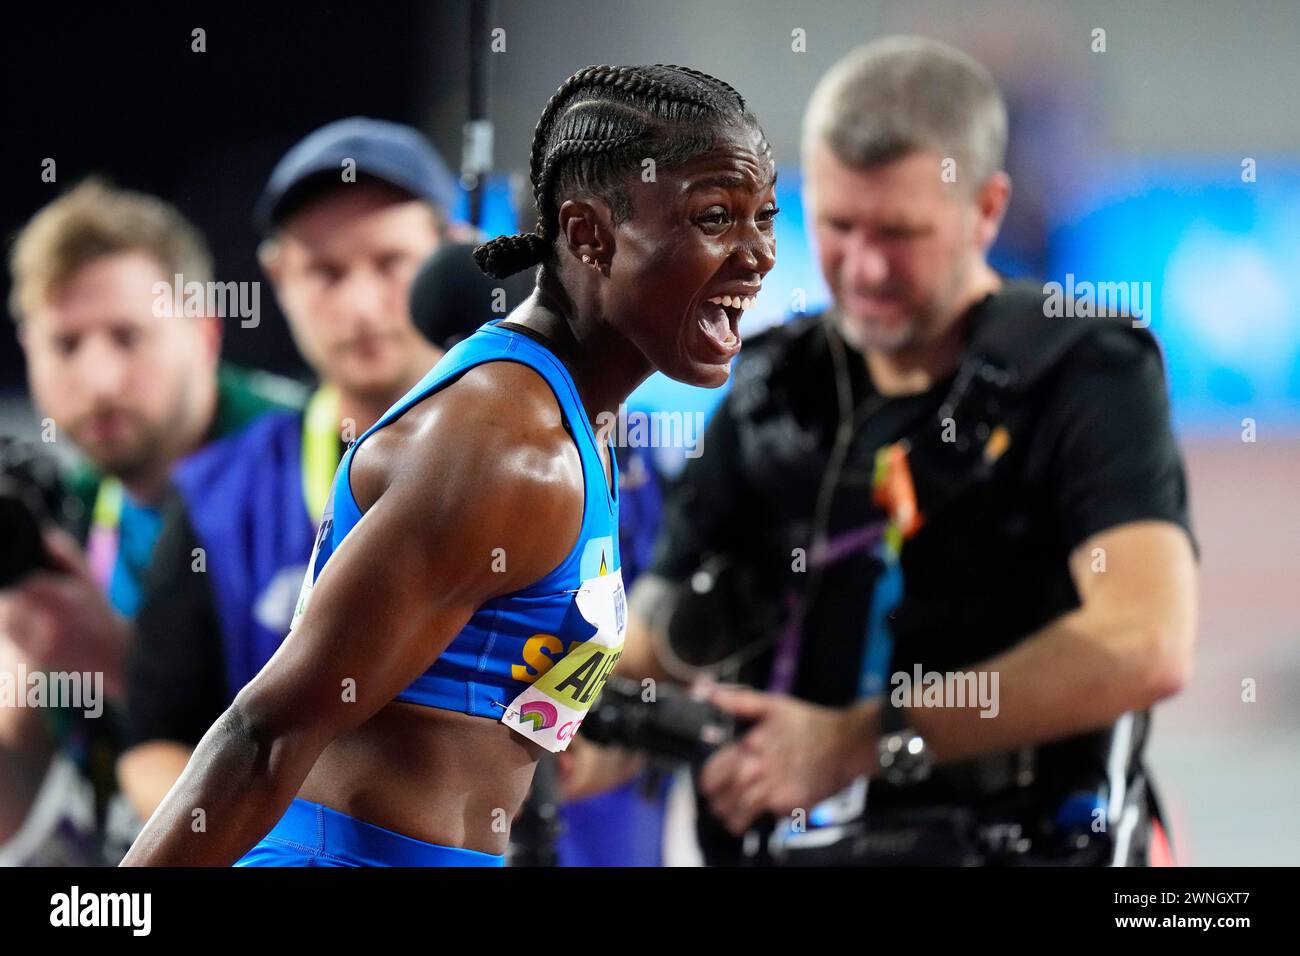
{"x":1052,"y":822}
{"x":674,"y":726}
{"x":31,"y":496}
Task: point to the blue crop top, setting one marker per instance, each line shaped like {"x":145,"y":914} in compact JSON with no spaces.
{"x":536,"y":658}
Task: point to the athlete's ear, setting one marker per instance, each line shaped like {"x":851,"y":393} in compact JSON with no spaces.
{"x":588,"y":230}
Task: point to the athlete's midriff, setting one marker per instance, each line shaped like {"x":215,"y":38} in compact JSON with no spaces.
{"x":434,"y":775}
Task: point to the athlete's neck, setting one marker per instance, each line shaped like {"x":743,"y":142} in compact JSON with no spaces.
{"x":915,"y":369}
{"x":606,"y":368}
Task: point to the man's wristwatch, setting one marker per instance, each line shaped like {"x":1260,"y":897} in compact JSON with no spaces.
{"x":902,"y":754}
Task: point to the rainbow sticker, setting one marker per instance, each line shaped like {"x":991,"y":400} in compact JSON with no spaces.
{"x":541,"y":714}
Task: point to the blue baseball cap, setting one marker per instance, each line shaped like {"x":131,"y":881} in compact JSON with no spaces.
{"x":390,"y":152}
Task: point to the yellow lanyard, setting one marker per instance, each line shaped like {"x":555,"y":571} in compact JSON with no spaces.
{"x":320,"y":449}
{"x":107,"y":513}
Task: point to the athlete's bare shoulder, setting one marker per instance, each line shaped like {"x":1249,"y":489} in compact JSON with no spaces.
{"x":489,"y":449}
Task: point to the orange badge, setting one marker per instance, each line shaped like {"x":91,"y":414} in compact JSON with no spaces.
{"x":894,"y":490}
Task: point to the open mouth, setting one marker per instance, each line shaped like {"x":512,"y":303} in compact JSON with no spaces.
{"x":719,"y":320}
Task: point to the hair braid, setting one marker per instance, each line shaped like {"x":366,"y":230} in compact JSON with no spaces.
{"x":587,"y":136}
{"x":705,"y":77}
{"x":561,"y":152}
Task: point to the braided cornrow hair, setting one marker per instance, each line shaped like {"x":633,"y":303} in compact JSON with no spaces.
{"x":596,"y":128}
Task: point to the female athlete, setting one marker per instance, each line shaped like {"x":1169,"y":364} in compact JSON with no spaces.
{"x":464,"y":604}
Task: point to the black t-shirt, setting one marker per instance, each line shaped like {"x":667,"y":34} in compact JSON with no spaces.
{"x":752,"y":496}
{"x":1097,"y":451}
{"x":1092,"y":449}
{"x":177,"y":672}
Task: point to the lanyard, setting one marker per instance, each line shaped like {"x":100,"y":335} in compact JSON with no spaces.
{"x":320,"y":449}
{"x":107,"y":512}
{"x":101,"y":541}
{"x":894,"y":492}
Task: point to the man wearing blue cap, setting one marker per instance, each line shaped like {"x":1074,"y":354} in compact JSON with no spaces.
{"x":347,"y":217}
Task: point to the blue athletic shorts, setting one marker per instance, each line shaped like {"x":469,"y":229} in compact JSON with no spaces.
{"x":313,"y":835}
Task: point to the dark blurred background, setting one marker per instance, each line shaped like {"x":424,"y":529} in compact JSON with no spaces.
{"x":1127,"y":163}
{"x":117,"y":91}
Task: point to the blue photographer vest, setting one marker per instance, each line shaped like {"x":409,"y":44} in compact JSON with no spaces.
{"x":253,"y":500}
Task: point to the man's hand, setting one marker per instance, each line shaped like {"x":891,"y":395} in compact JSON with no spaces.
{"x":61,"y":620}
{"x":149,"y":770}
{"x":795,"y":755}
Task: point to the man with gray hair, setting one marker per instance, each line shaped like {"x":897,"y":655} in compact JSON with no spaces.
{"x":930,"y":126}
{"x":974,"y":573}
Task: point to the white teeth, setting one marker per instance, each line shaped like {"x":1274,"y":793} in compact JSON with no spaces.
{"x":734,"y":301}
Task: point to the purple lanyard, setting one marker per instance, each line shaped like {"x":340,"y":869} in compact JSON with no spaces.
{"x":823,"y":554}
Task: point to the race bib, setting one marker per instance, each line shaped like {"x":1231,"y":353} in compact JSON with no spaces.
{"x":550,"y":711}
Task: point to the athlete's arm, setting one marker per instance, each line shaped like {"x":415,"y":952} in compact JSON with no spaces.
{"x":483,"y":465}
